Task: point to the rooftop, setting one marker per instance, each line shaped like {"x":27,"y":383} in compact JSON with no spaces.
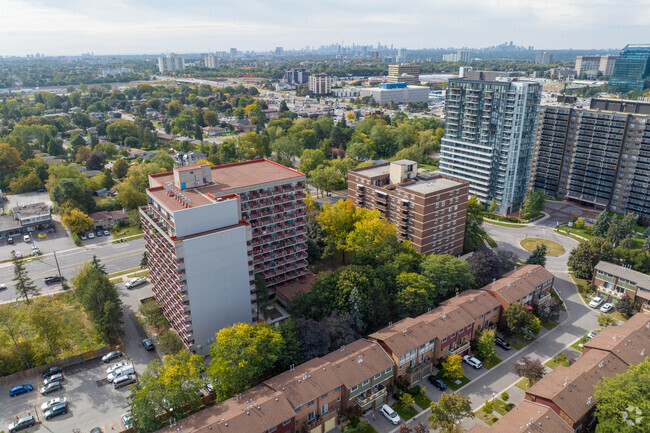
{"x":527,"y":417}
{"x":359,"y":361}
{"x":638,"y":278}
{"x":518,"y":283}
{"x":113,"y":214}
{"x":425,"y":186}
{"x":474,"y":302}
{"x":31,"y":210}
{"x":630,"y":342}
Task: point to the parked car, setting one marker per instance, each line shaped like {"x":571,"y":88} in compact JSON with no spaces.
{"x":51,"y":387}
{"x":135,"y":282}
{"x":27,"y":238}
{"x":83,"y":237}
{"x":45,"y":406}
{"x":35,"y":250}
{"x":596,"y":302}
{"x":10,"y":241}
{"x":147,"y":344}
{"x":107,"y":233}
{"x":390,"y":414}
{"x":96,"y":430}
{"x":54,"y":378}
{"x":503,"y":343}
{"x":124,"y":371}
{"x":53,"y":279}
{"x":20,"y":389}
{"x":472,"y":361}
{"x":22,"y":423}
{"x":607,"y":307}
{"x":437,"y":382}
{"x":99,"y":233}
{"x":112,"y":355}
{"x":56,"y":410}
{"x":3,"y":287}
{"x":127,"y":420}
{"x":91,"y":235}
{"x":124,"y":381}
{"x":114,"y":367}
{"x":52,"y":371}
{"x":591,"y":334}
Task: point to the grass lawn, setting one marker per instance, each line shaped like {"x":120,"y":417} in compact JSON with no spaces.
{"x":498,"y":223}
{"x":123,"y":232}
{"x":422,"y":400}
{"x":487,"y":418}
{"x":553,"y":363}
{"x":75,"y":333}
{"x":362,"y":427}
{"x":549,"y":324}
{"x":618,"y":316}
{"x":583,"y":287}
{"x":491,"y":242}
{"x":523,"y":384}
{"x":406,"y":413}
{"x":452,"y":384}
{"x":502,"y":407}
{"x":557,"y":298}
{"x":516,"y":342}
{"x":575,"y":231}
{"x":554,"y":249}
{"x":491,"y":362}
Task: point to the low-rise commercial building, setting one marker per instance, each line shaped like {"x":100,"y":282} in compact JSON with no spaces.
{"x":614,"y":282}
{"x":33,"y":216}
{"x":428,"y":209}
{"x":397,"y":93}
{"x":529,"y":285}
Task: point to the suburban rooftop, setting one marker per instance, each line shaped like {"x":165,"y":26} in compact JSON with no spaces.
{"x":518,"y":283}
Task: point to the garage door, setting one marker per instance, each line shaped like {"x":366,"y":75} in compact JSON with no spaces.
{"x":330,"y":424}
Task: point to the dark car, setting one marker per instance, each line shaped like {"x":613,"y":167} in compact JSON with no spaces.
{"x":96,"y":430}
{"x":20,"y":389}
{"x":56,"y":410}
{"x":112,"y":355}
{"x":437,"y":382}
{"x":503,"y":343}
{"x":53,"y":279}
{"x":51,"y":387}
{"x":147,"y":344}
{"x":10,"y":241}
{"x":52,"y":371}
{"x":99,"y":233}
{"x":22,"y":423}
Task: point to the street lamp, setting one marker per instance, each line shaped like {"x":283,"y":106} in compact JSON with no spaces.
{"x":493,"y":395}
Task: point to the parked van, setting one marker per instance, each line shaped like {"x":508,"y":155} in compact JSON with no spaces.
{"x":123,"y":371}
{"x":124,"y":381}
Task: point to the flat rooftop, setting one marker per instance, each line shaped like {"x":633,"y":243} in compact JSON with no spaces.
{"x":431,"y":185}
{"x":374,"y":170}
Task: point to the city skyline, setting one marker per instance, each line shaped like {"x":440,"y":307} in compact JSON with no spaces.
{"x":67,"y":27}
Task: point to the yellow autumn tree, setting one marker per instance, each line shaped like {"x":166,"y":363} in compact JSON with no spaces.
{"x":369,"y":229}
{"x":77,"y":221}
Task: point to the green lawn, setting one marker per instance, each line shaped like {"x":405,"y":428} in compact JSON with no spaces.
{"x":422,"y":400}
{"x":362,"y":427}
{"x":406,"y":413}
{"x":498,"y":223}
{"x":502,"y":407}
{"x":583,"y":287}
{"x":554,"y":362}
{"x":553,"y":248}
{"x":451,"y":384}
{"x":516,"y":343}
{"x":487,"y":418}
{"x":122,"y":232}
{"x":575,"y":231}
{"x":490,"y":362}
{"x":523,"y":384}
{"x":491,"y":242}
{"x":549,"y":324}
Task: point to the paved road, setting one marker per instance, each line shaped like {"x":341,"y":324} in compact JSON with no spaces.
{"x":116,"y":257}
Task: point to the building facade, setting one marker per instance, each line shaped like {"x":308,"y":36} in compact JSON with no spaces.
{"x":404,"y":73}
{"x":320,"y":84}
{"x":632,"y":69}
{"x":595,"y":66}
{"x":397,"y":93}
{"x":210,"y":230}
{"x":489,"y":135}
{"x":543,"y":58}
{"x":170,"y":63}
{"x":614,"y":282}
{"x":597,"y":156}
{"x":428,"y":209}
{"x":211,"y":61}
{"x":296,"y":76}
{"x":529,"y":285}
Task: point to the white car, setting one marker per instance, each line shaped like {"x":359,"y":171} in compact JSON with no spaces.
{"x":135,"y":282}
{"x":596,"y":302}
{"x":607,"y":307}
{"x":472,"y":361}
{"x":390,"y":414}
{"x":83,"y":237}
{"x":27,"y":238}
{"x":91,"y":235}
{"x":114,"y":367}
{"x":48,"y":404}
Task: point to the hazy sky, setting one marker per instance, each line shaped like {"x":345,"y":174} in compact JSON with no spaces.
{"x":57,"y":27}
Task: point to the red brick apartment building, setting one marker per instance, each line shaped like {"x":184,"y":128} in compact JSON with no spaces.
{"x":428,"y":209}
{"x":209,"y":230}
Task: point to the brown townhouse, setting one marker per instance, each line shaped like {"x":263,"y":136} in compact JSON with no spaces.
{"x":530,"y":285}
{"x":527,"y":417}
{"x":484,"y":309}
{"x":314,"y":391}
{"x":569,"y":391}
{"x":428,"y":209}
{"x":630,"y":342}
{"x":258,"y":410}
{"x":614,"y":282}
{"x":365,"y":371}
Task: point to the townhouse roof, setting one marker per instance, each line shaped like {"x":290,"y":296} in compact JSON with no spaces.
{"x":256,"y":411}
{"x":474,"y":302}
{"x":572,"y":388}
{"x":527,"y":417}
{"x":306,"y":382}
{"x":638,"y":278}
{"x":519,"y":283}
{"x":630,"y":342}
{"x":103,"y":215}
{"x":359,"y":361}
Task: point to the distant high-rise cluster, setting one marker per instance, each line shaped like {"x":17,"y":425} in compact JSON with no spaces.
{"x":543,"y":58}
{"x":171,"y":62}
{"x":460,"y":56}
{"x":632,"y":69}
{"x":211,"y":61}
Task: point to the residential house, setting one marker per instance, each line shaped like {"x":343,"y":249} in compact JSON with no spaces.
{"x":530,"y":285}
{"x":213,"y":131}
{"x":569,"y":391}
{"x":314,"y":391}
{"x":527,"y":417}
{"x":107,"y":219}
{"x":484,"y":309}
{"x":614,"y":282}
{"x":630,"y":342}
{"x":258,"y":410}
{"x":139,"y":153}
{"x":366,"y":371}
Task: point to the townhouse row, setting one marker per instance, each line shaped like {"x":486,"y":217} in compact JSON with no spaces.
{"x":563,"y":401}
{"x":356,"y":378}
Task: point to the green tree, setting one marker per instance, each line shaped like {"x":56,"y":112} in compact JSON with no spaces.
{"x":310,"y":160}
{"x":606,"y":320}
{"x":447,"y":413}
{"x":493,"y":204}
{"x":99,"y":297}
{"x":77,"y":221}
{"x":144,"y":261}
{"x":485,"y":345}
{"x":97,"y":264}
{"x":601,"y":225}
{"x":538,"y":256}
{"x":531,"y":369}
{"x":452,"y":368}
{"x":240,"y":354}
{"x":415,"y":294}
{"x":623,"y":401}
{"x":24,"y":285}
{"x":534,"y":324}
{"x":326,"y":178}
{"x":517,"y":317}
{"x":77,"y":142}
{"x":369,"y":229}
{"x":619,"y":229}
{"x":120,"y":167}
{"x":474,"y":232}
{"x":356,"y":308}
{"x":262,"y":295}
{"x":120,"y":129}
{"x":169,"y":342}
{"x":448,"y":273}
{"x":291,"y":353}
{"x":533,"y":204}
{"x":337,"y":221}
{"x":47,"y":320}
{"x":55,"y":147}
{"x":152,"y":314}
{"x":406,"y":400}
{"x":586,"y":256}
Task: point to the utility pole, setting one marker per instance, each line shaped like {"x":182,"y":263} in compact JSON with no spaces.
{"x":57,"y":265}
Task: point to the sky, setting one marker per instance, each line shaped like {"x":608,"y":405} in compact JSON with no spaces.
{"x":68,"y":27}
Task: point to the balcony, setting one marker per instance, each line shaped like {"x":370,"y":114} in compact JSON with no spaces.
{"x":368,"y":396}
{"x":320,"y":419}
{"x":424,"y":365}
{"x":459,"y":350}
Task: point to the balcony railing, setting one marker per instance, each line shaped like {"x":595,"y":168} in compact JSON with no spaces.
{"x":320,"y":419}
{"x":364,"y":399}
{"x":459,"y":350}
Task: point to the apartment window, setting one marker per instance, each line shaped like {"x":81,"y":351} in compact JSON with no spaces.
{"x":388,"y":370}
{"x":354,"y":388}
{"x":365,"y":382}
{"x":452,"y":335}
{"x":298,"y":409}
{"x":272,"y":429}
{"x":338,"y":399}
{"x":287,"y":422}
{"x":337,"y":389}
{"x":377,"y":376}
{"x":324,"y":409}
{"x":310,"y":403}
{"x":324,"y":395}
{"x":311,"y":416}
{"x":412,"y":363}
{"x":444,"y":339}
{"x":469,"y":326}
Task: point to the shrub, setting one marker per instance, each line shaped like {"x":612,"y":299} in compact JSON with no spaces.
{"x":414,"y":390}
{"x":580,"y":223}
{"x":354,"y":421}
{"x":489,"y":407}
{"x":76,"y":240}
{"x":510,"y":406}
{"x":505,"y":396}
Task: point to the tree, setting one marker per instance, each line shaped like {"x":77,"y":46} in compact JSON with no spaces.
{"x":262,"y":295}
{"x":341,"y":329}
{"x":144,"y":261}
{"x":507,"y":258}
{"x":314,"y":339}
{"x":97,"y":264}
{"x":47,"y":320}
{"x":623,"y":401}
{"x":55,"y":147}
{"x":625,"y":306}
{"x":120,"y":129}
{"x":534,"y":324}
{"x":415,"y":294}
{"x":291,"y":353}
{"x":452,"y":368}
{"x":355,"y":307}
{"x":24,"y":285}
{"x":337,"y":221}
{"x":7,"y":323}
{"x":169,"y":342}
{"x":493,"y":205}
{"x":152,"y":314}
{"x":369,"y":229}
{"x":9,"y":159}
{"x":531,"y":369}
{"x":533,"y":204}
{"x":517,"y":317}
{"x":485,"y":346}
{"x":82,"y":155}
{"x":120,"y":167}
{"x":550,"y":310}
{"x":96,"y":160}
{"x":586,"y":256}
{"x":240,"y":354}
{"x":407,"y":400}
{"x":325,"y":178}
{"x":606,"y":320}
{"x":474,"y":232}
{"x":310,"y":160}
{"x":619,"y":229}
{"x":538,"y":256}
{"x":449,"y":411}
{"x":77,"y":221}
{"x":448,"y":273}
{"x":601,"y":225}
{"x":99,"y":297}
{"x":484,"y":266}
